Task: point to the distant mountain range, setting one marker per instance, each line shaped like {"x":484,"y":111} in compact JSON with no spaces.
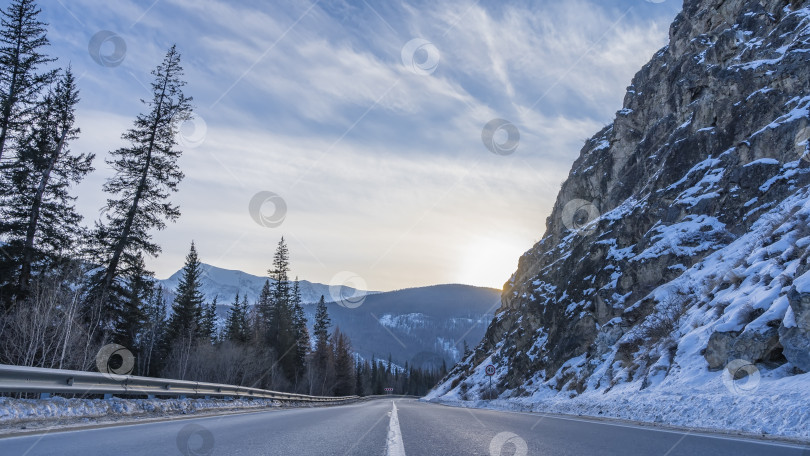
{"x":419,"y":326}
{"x":225,"y":283}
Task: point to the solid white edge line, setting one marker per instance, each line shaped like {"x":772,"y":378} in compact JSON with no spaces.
{"x":395,"y":445}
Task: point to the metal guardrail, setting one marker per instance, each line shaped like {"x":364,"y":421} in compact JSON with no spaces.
{"x":19,"y":379}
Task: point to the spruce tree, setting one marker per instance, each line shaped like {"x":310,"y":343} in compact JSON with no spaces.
{"x":358,"y":377}
{"x":235,"y":327}
{"x":187,"y":310}
{"x":301,"y":331}
{"x":282,"y":334}
{"x":344,"y":365}
{"x":128,"y":323}
{"x":373,"y":376}
{"x":321,"y":332}
{"x":146,"y":172}
{"x":22,"y":37}
{"x":244,"y":318}
{"x":39,"y":222}
{"x":265,"y":310}
{"x":154,"y":329}
{"x":209,"y":321}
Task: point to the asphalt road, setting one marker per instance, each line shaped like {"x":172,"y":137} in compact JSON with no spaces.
{"x":368,"y":429}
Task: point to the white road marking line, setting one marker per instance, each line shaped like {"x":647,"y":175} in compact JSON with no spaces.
{"x":395,"y":446}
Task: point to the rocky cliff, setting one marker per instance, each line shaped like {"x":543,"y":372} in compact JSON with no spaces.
{"x":678,"y":245}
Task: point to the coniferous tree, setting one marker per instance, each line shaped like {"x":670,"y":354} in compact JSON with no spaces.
{"x":244,"y":320}
{"x":22,"y":37}
{"x":265,"y":311}
{"x":280,"y":318}
{"x":209,"y":321}
{"x":321,"y":332}
{"x":301,"y":332}
{"x":281,"y":335}
{"x":39,"y":222}
{"x":236,"y":326}
{"x":129,"y":322}
{"x":146,"y":172}
{"x":344,"y":365}
{"x":154,"y":329}
{"x":321,"y":360}
{"x":358,"y":377}
{"x":187,"y":310}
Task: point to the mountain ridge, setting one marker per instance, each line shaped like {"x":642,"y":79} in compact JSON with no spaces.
{"x":421,"y":326}
{"x":225,"y":283}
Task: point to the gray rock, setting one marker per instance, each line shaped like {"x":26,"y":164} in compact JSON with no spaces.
{"x":718,"y":351}
{"x":796,"y":345}
{"x":800,"y":304}
{"x":796,"y":340}
{"x":752,"y":346}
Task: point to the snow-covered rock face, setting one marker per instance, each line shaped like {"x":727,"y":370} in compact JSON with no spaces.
{"x":679,"y":242}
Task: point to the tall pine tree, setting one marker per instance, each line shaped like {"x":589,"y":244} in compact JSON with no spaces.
{"x":344,"y":364}
{"x":300,"y":330}
{"x":209,"y":321}
{"x":236,"y":326}
{"x":146,"y":172}
{"x":321,"y":354}
{"x":322,"y":358}
{"x":265,"y":312}
{"x":22,"y":37}
{"x":282,"y":334}
{"x":39,"y":223}
{"x":187,"y":311}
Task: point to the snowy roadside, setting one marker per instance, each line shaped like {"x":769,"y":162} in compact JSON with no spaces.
{"x":780,"y":410}
{"x":21,"y":415}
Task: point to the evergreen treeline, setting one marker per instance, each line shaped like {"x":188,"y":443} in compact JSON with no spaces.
{"x":372,"y":378}
{"x":67,"y":289}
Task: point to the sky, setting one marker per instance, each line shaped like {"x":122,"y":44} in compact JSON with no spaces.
{"x":399,"y":144}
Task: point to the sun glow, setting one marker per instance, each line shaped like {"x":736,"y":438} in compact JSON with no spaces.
{"x":489,"y":262}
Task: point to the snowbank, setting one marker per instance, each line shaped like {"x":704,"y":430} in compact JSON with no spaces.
{"x":766,"y":405}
